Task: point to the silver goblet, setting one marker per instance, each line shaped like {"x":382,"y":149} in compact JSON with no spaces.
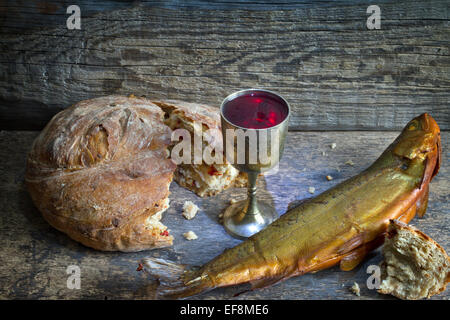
{"x":247,"y":217}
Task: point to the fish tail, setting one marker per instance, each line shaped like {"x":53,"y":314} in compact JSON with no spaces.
{"x":175,"y":280}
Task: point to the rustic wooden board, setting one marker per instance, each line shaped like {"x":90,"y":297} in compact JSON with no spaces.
{"x":337,"y":74}
{"x":34,"y":256}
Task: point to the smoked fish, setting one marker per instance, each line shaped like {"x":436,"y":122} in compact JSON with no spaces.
{"x":341,"y":225}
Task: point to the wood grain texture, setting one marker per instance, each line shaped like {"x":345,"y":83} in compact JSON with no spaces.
{"x":34,"y":256}
{"x":337,"y":74}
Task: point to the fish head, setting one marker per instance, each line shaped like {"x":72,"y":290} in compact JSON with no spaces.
{"x":420,"y":140}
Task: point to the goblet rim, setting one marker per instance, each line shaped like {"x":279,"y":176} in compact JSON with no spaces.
{"x":239,"y":93}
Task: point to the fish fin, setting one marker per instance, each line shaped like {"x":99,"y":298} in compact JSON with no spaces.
{"x":353,"y":251}
{"x":432,"y":164}
{"x":354,"y":257}
{"x":175,"y":280}
{"x":262,"y":283}
{"x":409,"y":214}
{"x":422,"y":203}
{"x":438,"y":156}
{"x":266,"y":282}
{"x":352,"y":244}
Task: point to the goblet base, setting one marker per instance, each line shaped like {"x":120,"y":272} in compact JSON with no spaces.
{"x":242,"y":224}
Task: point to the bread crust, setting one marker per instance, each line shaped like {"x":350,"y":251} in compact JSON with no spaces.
{"x":398,"y":225}
{"x":202,"y":113}
{"x":394,"y":227}
{"x":100,"y":169}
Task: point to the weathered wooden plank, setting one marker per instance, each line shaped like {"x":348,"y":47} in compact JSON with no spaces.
{"x":33,"y":14}
{"x":336,"y":74}
{"x":34,"y":256}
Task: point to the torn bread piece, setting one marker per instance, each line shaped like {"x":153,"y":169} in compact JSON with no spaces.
{"x":190,"y":235}
{"x":154,"y":224}
{"x":189,"y":210}
{"x":202,"y":178}
{"x":414,"y":266}
{"x":355,"y":289}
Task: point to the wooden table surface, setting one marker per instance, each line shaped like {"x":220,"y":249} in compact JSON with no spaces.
{"x":34,"y":256}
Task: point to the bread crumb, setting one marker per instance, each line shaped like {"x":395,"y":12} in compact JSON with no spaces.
{"x":350,"y":163}
{"x":333,"y":145}
{"x":189,"y":210}
{"x":311,"y":190}
{"x":190,"y":235}
{"x":329,"y":178}
{"x":355,"y":289}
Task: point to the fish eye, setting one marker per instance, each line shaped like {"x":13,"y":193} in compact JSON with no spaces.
{"x":413,"y":125}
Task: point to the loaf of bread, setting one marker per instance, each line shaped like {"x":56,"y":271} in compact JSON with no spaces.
{"x":414,"y":266}
{"x":100,"y":170}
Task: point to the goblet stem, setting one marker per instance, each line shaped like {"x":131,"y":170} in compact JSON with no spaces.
{"x":251,"y":194}
{"x":247,"y":217}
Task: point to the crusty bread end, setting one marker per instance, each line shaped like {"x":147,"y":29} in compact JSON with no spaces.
{"x":415,"y":266}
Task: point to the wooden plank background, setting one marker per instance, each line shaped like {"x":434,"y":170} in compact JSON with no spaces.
{"x":337,"y":74}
